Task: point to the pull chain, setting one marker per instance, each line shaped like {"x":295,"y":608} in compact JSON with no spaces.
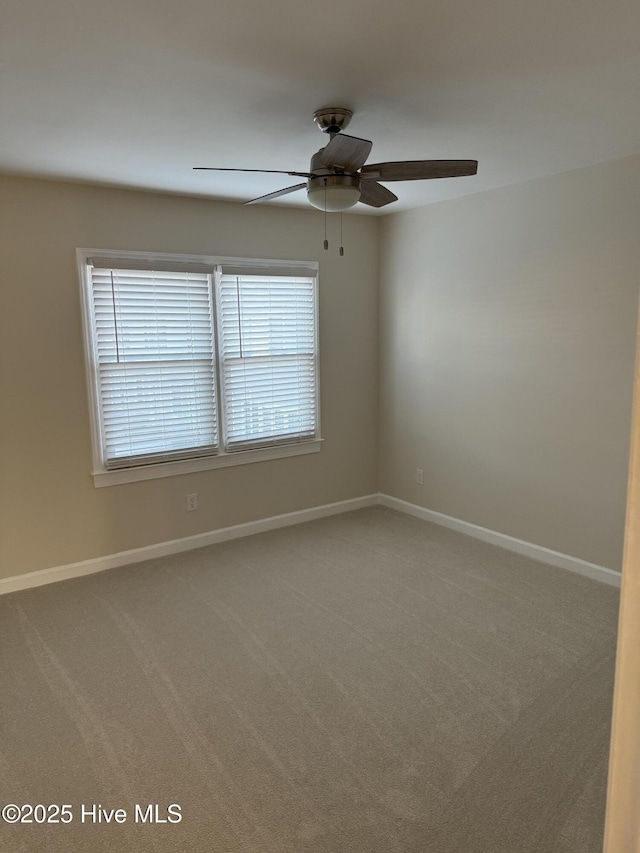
{"x":341,"y":246}
{"x":326,"y":242}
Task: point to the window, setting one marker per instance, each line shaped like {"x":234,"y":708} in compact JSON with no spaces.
{"x":198,"y":362}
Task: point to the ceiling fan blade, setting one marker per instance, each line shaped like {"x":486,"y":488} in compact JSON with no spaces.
{"x":419,"y":170}
{"x":276,"y":194}
{"x":375,"y":195}
{"x":266,"y":171}
{"x":344,"y":152}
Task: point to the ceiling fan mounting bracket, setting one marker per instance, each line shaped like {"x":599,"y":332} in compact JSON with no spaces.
{"x":332,"y":119}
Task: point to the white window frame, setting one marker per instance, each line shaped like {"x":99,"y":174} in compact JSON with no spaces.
{"x":222,"y":458}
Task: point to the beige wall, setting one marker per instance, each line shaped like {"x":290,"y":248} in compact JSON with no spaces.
{"x":622,"y":833}
{"x":507,"y":346}
{"x":50,"y":512}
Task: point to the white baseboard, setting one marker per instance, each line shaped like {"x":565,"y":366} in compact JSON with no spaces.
{"x":176,"y":546}
{"x":536,"y":552}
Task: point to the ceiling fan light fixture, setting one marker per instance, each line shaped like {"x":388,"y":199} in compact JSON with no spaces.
{"x":333,"y":193}
{"x":339,"y":177}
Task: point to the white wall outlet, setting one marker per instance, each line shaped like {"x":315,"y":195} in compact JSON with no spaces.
{"x":192,"y":502}
{"x":420,"y":476}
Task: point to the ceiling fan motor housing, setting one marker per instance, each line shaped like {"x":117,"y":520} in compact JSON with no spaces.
{"x":317,"y":167}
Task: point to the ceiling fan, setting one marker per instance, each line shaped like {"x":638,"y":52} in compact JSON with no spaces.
{"x":338,"y":177}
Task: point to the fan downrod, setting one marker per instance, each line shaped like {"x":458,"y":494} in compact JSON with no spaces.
{"x":332,"y":119}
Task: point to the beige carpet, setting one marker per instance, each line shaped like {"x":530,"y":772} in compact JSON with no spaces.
{"x":368,"y":683}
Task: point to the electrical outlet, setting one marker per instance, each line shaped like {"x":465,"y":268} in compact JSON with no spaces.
{"x":192,"y":502}
{"x":420,"y":476}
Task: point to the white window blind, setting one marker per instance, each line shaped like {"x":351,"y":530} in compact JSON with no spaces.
{"x":155,"y":365}
{"x":267,"y":353}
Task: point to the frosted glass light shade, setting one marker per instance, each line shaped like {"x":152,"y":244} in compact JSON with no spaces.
{"x":339,"y":192}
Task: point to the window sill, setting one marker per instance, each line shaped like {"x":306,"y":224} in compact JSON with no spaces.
{"x":205,"y":463}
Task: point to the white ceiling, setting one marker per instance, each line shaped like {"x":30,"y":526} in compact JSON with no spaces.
{"x":136,"y":92}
